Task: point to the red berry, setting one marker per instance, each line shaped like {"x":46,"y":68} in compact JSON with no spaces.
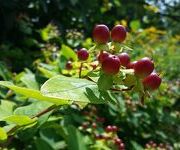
{"x":124,"y":59}
{"x":121,"y":146}
{"x":114,"y":128}
{"x":99,"y":136}
{"x":69,"y":65}
{"x":100,"y":119}
{"x":101,"y":34}
{"x":111,"y":65}
{"x":94,"y":125}
{"x":102,"y":56}
{"x":83,"y":54}
{"x":117,"y":141}
{"x":109,"y":129}
{"x":131,"y":65}
{"x":118,"y":33}
{"x":85,"y":125}
{"x":152,"y":81}
{"x":143,"y":67}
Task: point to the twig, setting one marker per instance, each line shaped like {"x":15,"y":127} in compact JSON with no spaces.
{"x":17,"y":126}
{"x":44,"y":111}
{"x":80,"y":69}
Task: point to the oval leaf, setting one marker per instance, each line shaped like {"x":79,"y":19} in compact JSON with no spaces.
{"x":31,"y":93}
{"x":72,"y":89}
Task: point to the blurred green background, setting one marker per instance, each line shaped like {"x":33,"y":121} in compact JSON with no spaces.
{"x":33,"y":34}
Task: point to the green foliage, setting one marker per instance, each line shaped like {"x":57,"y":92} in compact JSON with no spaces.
{"x":43,"y":105}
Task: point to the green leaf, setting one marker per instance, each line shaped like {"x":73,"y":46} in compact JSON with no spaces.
{"x":75,"y":140}
{"x":105,"y":82}
{"x":68,"y":52}
{"x":72,"y":89}
{"x":41,"y":144}
{"x":3,"y":134}
{"x":30,"y":111}
{"x":135,"y":24}
{"x":4,"y":72}
{"x":136,"y":146}
{"x":6,"y":108}
{"x":52,"y":135}
{"x":28,"y":78}
{"x":19,"y":120}
{"x":130,"y":80}
{"x":47,"y":73}
{"x":33,"y":93}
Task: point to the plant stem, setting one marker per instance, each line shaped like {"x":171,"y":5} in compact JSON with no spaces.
{"x":80,"y":69}
{"x":17,"y":126}
{"x":44,"y":111}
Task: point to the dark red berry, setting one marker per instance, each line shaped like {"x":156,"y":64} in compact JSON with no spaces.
{"x":85,"y":125}
{"x":101,"y":34}
{"x":69,"y":65}
{"x":143,"y":67}
{"x":100,"y":119}
{"x":118,"y":33}
{"x":111,"y":65}
{"x":154,"y":145}
{"x":94,"y":125}
{"x":86,"y":113}
{"x":121,"y":146}
{"x":114,"y":128}
{"x":99,"y":136}
{"x":102,"y":56}
{"x":124,"y":59}
{"x":117,"y":141}
{"x":152,"y":81}
{"x":83,"y":54}
{"x":147,"y":145}
{"x":131,"y":65}
{"x":109,"y":129}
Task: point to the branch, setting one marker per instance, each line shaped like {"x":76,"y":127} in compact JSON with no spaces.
{"x":17,"y":126}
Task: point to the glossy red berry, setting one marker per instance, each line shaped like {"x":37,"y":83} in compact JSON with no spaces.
{"x":100,"y":119}
{"x":83,"y":54}
{"x":143,"y":67}
{"x":121,"y":146}
{"x":109,"y":129}
{"x":85,"y":125}
{"x":94,"y":125}
{"x":101,"y":34}
{"x":117,"y":141}
{"x":118,"y":33}
{"x":131,"y":65}
{"x":114,"y":128}
{"x":124,"y":59}
{"x":99,"y":136}
{"x":152,"y":81}
{"x":102,"y":56}
{"x":69,"y":65}
{"x":111,"y":65}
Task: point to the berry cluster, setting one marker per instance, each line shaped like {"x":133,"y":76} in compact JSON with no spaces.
{"x":112,"y":61}
{"x":94,"y":125}
{"x":151,"y":145}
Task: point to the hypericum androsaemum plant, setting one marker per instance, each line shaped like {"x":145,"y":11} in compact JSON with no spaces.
{"x":98,"y":74}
